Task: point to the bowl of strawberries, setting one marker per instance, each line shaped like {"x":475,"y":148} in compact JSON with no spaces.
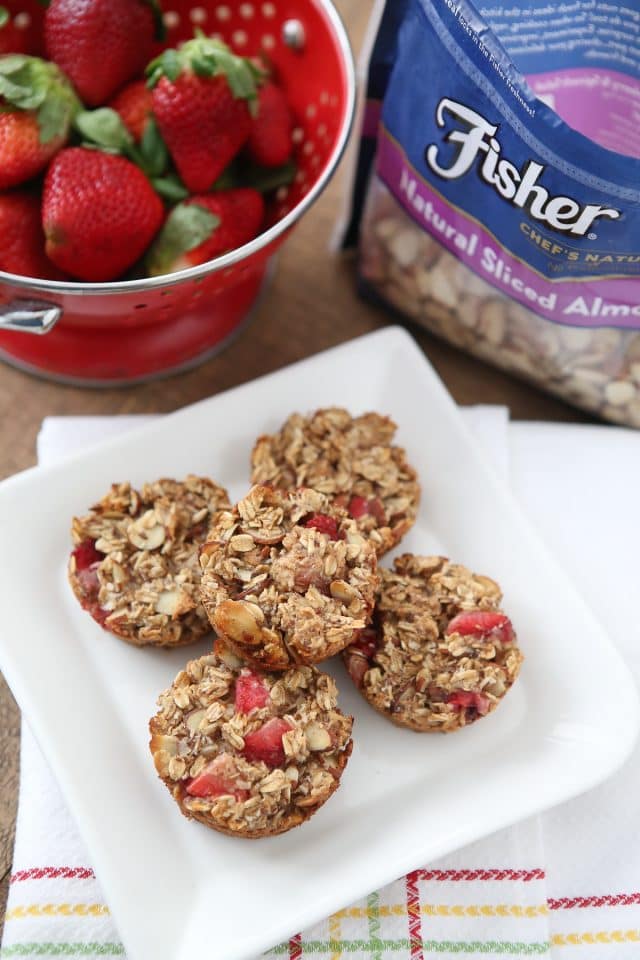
{"x":152,"y":161}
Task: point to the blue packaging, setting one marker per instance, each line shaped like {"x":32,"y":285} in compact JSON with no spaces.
{"x":497,"y":193}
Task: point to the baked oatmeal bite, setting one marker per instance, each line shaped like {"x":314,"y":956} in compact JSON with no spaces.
{"x":353,"y":461}
{"x":286,"y":579}
{"x":440,"y":653}
{"x":134,"y":566}
{"x":249,"y":754}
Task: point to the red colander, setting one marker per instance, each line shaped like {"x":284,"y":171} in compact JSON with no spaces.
{"x":109,"y":333}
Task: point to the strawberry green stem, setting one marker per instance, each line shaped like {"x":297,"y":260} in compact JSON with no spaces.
{"x":185,"y":228}
{"x":208,"y":58}
{"x":29,"y":83}
{"x":161,"y":30}
{"x":103,"y":128}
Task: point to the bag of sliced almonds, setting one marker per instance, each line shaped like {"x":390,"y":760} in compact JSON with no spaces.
{"x":497,"y":191}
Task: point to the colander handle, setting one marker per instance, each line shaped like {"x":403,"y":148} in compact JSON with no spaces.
{"x":29,"y":316}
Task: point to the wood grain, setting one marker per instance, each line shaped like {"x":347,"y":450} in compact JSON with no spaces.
{"x":9,"y":743}
{"x":310,"y":305}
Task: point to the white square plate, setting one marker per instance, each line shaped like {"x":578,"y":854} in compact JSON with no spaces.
{"x":405,"y":798}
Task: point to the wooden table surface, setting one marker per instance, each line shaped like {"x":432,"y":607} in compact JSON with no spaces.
{"x":311,"y":305}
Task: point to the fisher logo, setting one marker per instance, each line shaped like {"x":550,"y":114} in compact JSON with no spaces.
{"x":475,"y":139}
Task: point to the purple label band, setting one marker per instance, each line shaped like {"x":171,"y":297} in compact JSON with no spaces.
{"x":371,"y":119}
{"x":601,"y":104}
{"x":590,"y":302}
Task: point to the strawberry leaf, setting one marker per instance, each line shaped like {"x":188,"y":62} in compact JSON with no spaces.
{"x":104,"y":127}
{"x":246,"y":173}
{"x":266,"y":179}
{"x":161,"y":30}
{"x":87,"y":145}
{"x":203,"y":66}
{"x":153,"y":151}
{"x":4,"y":16}
{"x":105,"y":130}
{"x":170,"y":187}
{"x":21,"y":84}
{"x":208,"y":58}
{"x":29,"y":83}
{"x":166,"y":65}
{"x":185,"y":228}
{"x":53,"y":115}
{"x":228,"y":179}
{"x":11,"y":61}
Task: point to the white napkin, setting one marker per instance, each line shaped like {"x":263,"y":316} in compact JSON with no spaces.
{"x":591,"y":845}
{"x":569,"y":878}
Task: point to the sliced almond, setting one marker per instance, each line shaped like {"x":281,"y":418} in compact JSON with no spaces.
{"x":227,"y":655}
{"x":317,"y":737}
{"x":404,"y":246}
{"x":497,"y":687}
{"x":181,"y":698}
{"x":619,"y":392}
{"x":237,"y":620}
{"x":386,"y":227}
{"x":340,"y":590}
{"x":255,"y":611}
{"x":177,"y":768}
{"x":354,"y":538}
{"x":167,"y":602}
{"x":165,"y":742}
{"x":146,"y":533}
{"x":311,"y":801}
{"x":161,"y":761}
{"x":194,"y":720}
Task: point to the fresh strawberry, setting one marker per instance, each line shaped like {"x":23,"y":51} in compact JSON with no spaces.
{"x":85,"y":554}
{"x":251,"y":693}
{"x":266,"y":743}
{"x":360,"y":507}
{"x":469,"y":700}
{"x":217,"y":779}
{"x":360,"y":653}
{"x":270,"y":141}
{"x":91,"y":605}
{"x":22,"y":153}
{"x":134,"y":104}
{"x":203,"y":227}
{"x":106,"y":130}
{"x":484,"y":624}
{"x":99,"y":213}
{"x":376,"y":509}
{"x":324,"y":524}
{"x":87,"y":559}
{"x":367,"y":642}
{"x":90,"y":585}
{"x":356,"y":665}
{"x":37,"y":105}
{"x":202,"y":100}
{"x":101,"y":44}
{"x":22,"y":239}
